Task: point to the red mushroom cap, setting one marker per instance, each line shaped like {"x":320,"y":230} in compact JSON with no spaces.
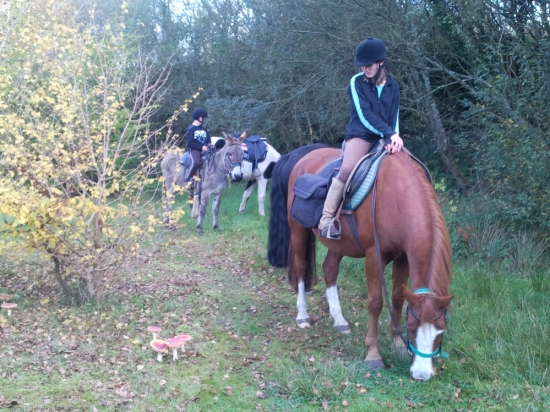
{"x":7,"y":305}
{"x":159,"y":345}
{"x":185,"y":338}
{"x":154,"y":329}
{"x":5,"y":296}
{"x":176,"y":341}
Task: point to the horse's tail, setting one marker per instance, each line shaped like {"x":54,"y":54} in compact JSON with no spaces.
{"x":279,"y":231}
{"x":310,"y":274}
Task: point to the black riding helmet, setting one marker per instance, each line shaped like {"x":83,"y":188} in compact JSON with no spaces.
{"x":370,"y":51}
{"x":199,"y":112}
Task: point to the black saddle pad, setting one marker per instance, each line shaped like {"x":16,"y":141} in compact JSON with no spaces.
{"x":310,"y":190}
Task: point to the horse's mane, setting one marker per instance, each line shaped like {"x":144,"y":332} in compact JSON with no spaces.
{"x":439,"y":273}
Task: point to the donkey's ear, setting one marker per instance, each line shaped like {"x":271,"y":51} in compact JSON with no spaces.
{"x":225,"y":135}
{"x":243,"y":136}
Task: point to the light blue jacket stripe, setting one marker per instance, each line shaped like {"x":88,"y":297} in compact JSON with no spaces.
{"x":357,"y":105}
{"x":396,"y":128}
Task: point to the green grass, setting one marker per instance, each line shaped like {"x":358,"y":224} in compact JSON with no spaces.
{"x":246,"y":353}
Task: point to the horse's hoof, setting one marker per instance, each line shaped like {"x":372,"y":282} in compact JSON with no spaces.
{"x":342,"y":328}
{"x":375,"y":364}
{"x":400,"y":350}
{"x":303,"y":323}
{"x":216,"y":228}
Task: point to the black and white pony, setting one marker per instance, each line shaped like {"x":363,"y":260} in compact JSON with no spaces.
{"x":255,"y":172}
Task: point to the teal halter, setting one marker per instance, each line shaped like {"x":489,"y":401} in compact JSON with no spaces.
{"x":436,"y":353}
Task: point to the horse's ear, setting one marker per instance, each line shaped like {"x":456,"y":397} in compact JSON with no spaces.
{"x":444,"y":302}
{"x":409,"y":295}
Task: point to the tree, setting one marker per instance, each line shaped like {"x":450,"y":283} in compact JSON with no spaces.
{"x":75,"y":110}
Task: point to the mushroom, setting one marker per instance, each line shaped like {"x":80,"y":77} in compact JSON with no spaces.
{"x":159,"y":346}
{"x":8,"y":306}
{"x":184,"y":338}
{"x":5,"y":296}
{"x":176,"y":342}
{"x":154,"y":330}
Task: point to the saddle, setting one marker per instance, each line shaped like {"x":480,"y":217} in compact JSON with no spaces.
{"x":254,"y":150}
{"x":310,"y":190}
{"x":187,"y":162}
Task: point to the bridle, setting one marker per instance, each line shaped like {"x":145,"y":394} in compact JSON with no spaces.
{"x":227,"y":161}
{"x":411,"y":349}
{"x":227,"y":164}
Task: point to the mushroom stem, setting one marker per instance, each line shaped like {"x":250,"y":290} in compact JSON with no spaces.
{"x":159,"y":357}
{"x":175,"y":352}
{"x":154,"y":335}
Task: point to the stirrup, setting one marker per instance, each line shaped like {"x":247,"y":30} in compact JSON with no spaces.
{"x":333,"y":235}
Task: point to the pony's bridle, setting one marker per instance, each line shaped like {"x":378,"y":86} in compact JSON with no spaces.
{"x":410,"y":347}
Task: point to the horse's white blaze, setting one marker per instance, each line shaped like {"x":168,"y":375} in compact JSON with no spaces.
{"x":301,"y":304}
{"x":422,"y":368}
{"x":334,"y":306}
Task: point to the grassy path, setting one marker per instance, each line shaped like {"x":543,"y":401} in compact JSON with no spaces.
{"x":246,"y":353}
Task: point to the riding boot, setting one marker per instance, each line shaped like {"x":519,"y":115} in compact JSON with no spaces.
{"x":327,"y":227}
{"x":192,"y":186}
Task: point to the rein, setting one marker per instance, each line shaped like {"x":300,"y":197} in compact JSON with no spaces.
{"x":208,"y":157}
{"x":407,"y":342}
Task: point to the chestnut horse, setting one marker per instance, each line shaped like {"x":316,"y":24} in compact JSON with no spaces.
{"x":409,"y":230}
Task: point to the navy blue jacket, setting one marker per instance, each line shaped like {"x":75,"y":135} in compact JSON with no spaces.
{"x":373,"y":117}
{"x":197,"y":137}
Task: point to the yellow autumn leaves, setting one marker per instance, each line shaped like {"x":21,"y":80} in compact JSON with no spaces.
{"x":74,"y":163}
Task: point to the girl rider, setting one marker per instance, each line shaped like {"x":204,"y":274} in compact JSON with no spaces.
{"x":198,"y":139}
{"x":374,"y":96}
